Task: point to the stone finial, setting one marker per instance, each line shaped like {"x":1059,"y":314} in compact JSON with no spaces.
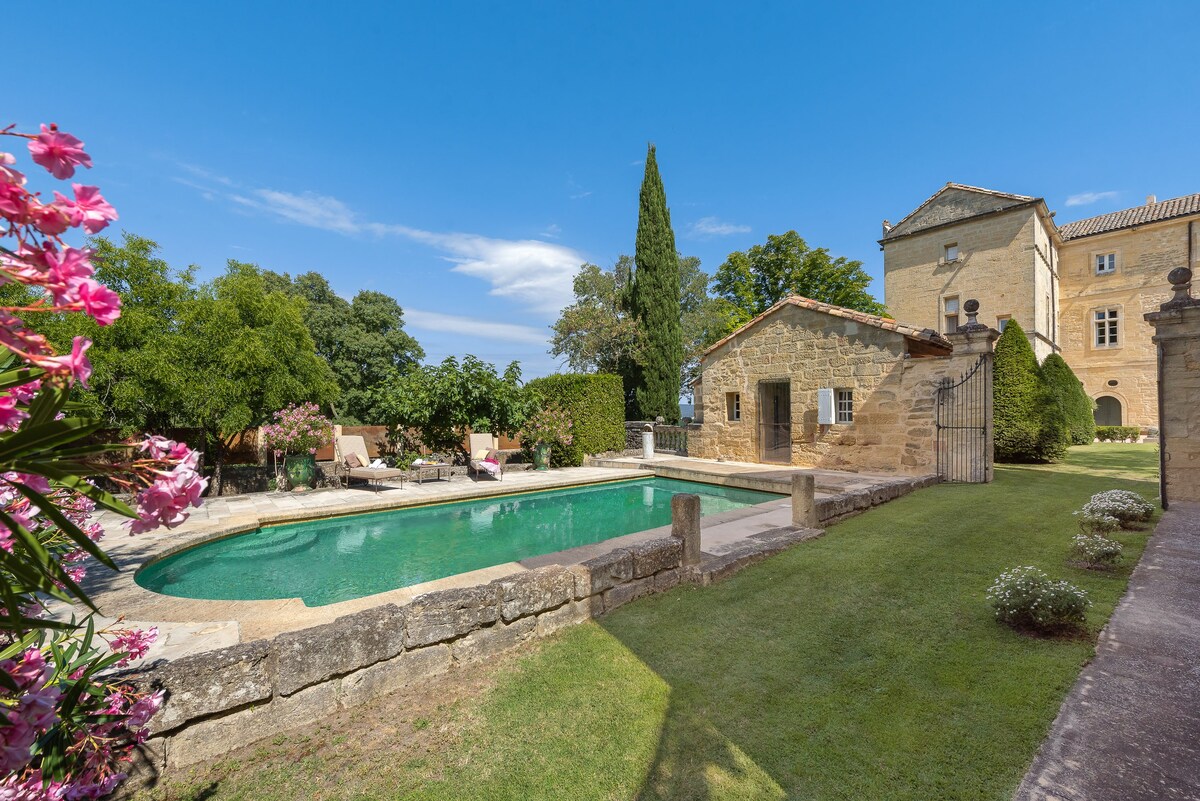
{"x":971,"y":307}
{"x":1181,"y":284}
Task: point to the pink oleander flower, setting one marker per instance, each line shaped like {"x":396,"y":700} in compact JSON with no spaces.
{"x":89,"y":208}
{"x":58,"y":152}
{"x":73,"y":264}
{"x":50,"y":219}
{"x":133,"y":643}
{"x":10,"y":415}
{"x":75,"y":364}
{"x":99,"y":301}
{"x":14,"y":202}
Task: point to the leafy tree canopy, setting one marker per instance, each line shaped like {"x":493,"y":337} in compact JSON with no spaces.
{"x":363,"y":340}
{"x":754,"y":280}
{"x":1077,"y":406}
{"x":442,"y":401}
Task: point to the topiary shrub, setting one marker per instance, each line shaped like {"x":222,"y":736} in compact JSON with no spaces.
{"x":1125,"y":506}
{"x":1077,"y":407}
{"x":1096,"y":551}
{"x":596,"y":406}
{"x":1117,"y":433}
{"x":1029,"y":423}
{"x":1026,"y":598}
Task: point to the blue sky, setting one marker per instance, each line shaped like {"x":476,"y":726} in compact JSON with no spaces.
{"x":466,"y":157}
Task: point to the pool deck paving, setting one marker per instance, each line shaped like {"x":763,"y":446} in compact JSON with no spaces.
{"x":1130,"y":728}
{"x":190,"y":625}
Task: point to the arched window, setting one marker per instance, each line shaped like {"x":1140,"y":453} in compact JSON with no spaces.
{"x":1108,"y":411}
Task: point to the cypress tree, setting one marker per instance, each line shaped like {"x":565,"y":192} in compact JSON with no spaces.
{"x":654,"y":301}
{"x":1029,"y":423}
{"x":1076,"y":405}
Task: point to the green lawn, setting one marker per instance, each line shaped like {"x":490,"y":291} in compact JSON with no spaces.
{"x":865,"y":664}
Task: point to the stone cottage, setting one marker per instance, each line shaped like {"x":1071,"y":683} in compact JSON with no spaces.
{"x":809,"y":383}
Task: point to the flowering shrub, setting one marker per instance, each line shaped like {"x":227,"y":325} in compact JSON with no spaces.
{"x":1096,"y":551}
{"x":1026,"y":598}
{"x":1127,"y":507}
{"x":1096,"y":523}
{"x":551,"y":426}
{"x":65,"y":730}
{"x":297,"y":429}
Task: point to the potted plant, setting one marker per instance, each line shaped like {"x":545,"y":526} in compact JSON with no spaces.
{"x":296,"y":434}
{"x":546,"y":428}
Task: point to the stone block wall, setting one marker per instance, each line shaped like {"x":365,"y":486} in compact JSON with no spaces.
{"x":1177,"y":336}
{"x":221,"y":700}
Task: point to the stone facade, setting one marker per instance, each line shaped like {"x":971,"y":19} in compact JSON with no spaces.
{"x":993,"y":237}
{"x":1020,"y":265}
{"x":892,"y":377}
{"x":1177,"y":338}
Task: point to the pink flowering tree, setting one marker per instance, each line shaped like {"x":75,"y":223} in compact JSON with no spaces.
{"x":67,"y":727}
{"x":300,"y":428}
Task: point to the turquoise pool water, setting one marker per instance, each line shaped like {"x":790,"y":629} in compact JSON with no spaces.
{"x":325,"y":561}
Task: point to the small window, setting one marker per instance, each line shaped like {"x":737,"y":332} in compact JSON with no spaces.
{"x":845,"y":406}
{"x":733,"y":406}
{"x":952,"y":251}
{"x":950,"y":314}
{"x":1106,"y":263}
{"x":1002,"y":321}
{"x":1107,"y":324}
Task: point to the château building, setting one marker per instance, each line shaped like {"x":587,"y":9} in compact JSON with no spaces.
{"x":1079,"y":289}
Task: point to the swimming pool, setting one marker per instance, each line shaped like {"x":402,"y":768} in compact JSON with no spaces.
{"x":340,"y":558}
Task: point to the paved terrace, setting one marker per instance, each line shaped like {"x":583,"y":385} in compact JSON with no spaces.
{"x":1130,"y":729}
{"x":189,"y":625}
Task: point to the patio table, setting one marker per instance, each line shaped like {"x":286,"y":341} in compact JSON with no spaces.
{"x":437,"y":467}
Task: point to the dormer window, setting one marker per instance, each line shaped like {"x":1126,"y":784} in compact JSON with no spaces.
{"x":952,"y":251}
{"x":1106,"y":263}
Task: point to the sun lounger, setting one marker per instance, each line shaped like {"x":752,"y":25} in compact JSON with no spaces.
{"x":485,"y":457}
{"x":346,"y":447}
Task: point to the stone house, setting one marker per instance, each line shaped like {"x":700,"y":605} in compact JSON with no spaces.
{"x":1080,"y":289}
{"x":809,"y":383}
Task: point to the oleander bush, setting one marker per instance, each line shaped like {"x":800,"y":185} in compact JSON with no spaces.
{"x":1026,"y":598}
{"x":1096,"y":551}
{"x":1117,"y":433}
{"x":596,"y":406}
{"x":1127,"y":507}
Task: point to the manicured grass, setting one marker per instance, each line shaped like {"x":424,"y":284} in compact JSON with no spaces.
{"x":865,"y":664}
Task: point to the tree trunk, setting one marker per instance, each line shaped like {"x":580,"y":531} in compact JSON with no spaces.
{"x":218,"y":462}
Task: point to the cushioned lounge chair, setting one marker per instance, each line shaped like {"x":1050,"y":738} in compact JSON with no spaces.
{"x":347,"y":446}
{"x":481,"y":446}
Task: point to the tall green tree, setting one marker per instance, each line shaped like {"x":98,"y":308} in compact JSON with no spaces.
{"x":1077,"y":406}
{"x":653,"y":299}
{"x":363,"y":341}
{"x":753,"y":281}
{"x":1029,"y":423}
{"x":243,"y":352}
{"x":442,"y":401}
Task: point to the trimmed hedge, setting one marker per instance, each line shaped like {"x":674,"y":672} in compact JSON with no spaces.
{"x":596,"y":405}
{"x":1076,"y":405}
{"x":1030,"y":425}
{"x":1117,"y":433}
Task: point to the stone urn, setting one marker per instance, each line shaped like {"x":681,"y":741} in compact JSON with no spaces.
{"x":541,"y":456}
{"x":301,"y":468}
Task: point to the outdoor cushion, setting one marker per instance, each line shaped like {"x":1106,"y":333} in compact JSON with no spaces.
{"x":481,"y":454}
{"x":352,"y":460}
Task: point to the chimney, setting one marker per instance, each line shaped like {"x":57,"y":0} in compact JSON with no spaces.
{"x":1151,"y":200}
{"x":887,"y":226}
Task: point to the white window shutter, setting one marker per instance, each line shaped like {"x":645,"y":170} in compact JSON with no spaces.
{"x":825,"y":407}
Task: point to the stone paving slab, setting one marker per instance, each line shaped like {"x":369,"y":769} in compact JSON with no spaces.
{"x":1130,"y":728}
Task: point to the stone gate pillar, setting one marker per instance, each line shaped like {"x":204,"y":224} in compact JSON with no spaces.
{"x":1177,"y":335}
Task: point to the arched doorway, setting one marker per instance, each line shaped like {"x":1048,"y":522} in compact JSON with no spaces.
{"x":1108,"y":411}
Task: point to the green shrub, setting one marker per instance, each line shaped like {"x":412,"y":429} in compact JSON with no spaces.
{"x":1117,"y":433}
{"x":1026,"y":598}
{"x":1030,"y":425}
{"x":1096,"y":551}
{"x":1076,"y":405}
{"x":596,"y":406}
{"x":1124,"y":506}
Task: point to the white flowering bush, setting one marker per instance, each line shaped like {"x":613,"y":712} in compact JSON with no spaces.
{"x":1127,"y":507}
{"x":1096,"y":551}
{"x":1096,"y":524}
{"x":1026,"y":598}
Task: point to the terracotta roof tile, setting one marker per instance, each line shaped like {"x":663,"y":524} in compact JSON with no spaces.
{"x":926,"y":335}
{"x":1128,"y":218}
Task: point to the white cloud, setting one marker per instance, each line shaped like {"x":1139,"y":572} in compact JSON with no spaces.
{"x":470,"y":326}
{"x":714,"y":226}
{"x":552,"y":231}
{"x":1087,"y":198}
{"x":535,"y":273}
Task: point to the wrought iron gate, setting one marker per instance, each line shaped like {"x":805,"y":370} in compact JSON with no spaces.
{"x":964,"y":453}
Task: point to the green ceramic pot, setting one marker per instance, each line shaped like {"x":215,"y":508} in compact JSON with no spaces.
{"x":300,"y":469}
{"x":541,"y":456}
